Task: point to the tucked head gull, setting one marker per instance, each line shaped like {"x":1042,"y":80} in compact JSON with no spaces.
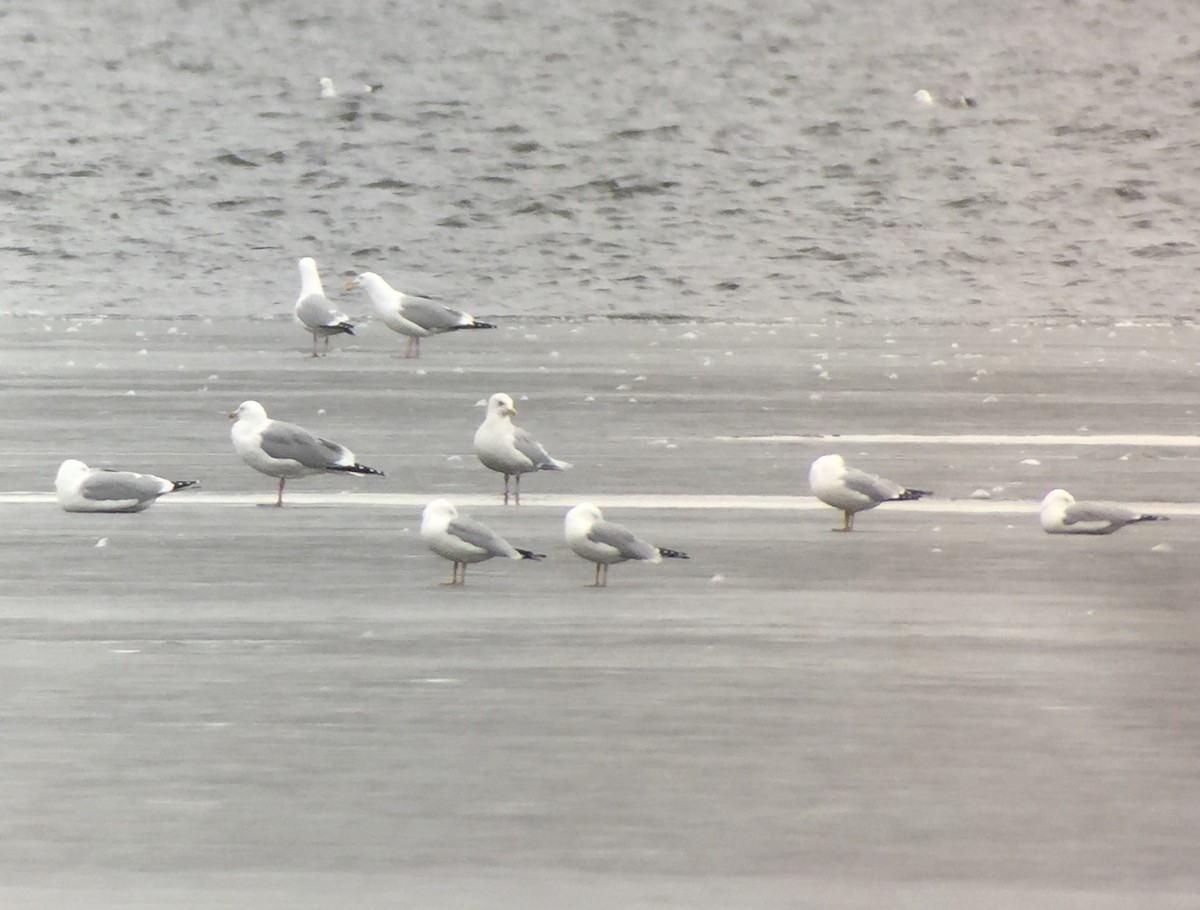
{"x":313,"y":309}
{"x":508,"y":449}
{"x":463,"y":540}
{"x":605,"y":542}
{"x":412,"y":314}
{"x":1061,"y":514}
{"x":284,"y":450}
{"x":851,"y":490}
{"x":83,"y":489}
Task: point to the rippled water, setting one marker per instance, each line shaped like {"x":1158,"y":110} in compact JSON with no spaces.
{"x":711,"y":160}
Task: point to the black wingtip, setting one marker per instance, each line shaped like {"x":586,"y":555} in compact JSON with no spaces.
{"x":529,"y":554}
{"x":672,"y":554}
{"x":356,"y":469}
{"x":345,"y":327}
{"x":482,"y":325}
{"x":183,"y":484}
{"x":1152,"y":518}
{"x":913,"y":494}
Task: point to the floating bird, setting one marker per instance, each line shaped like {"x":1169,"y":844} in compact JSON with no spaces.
{"x":852,"y":490}
{"x":1061,"y":514}
{"x":329,"y":90}
{"x":313,"y":309}
{"x":284,"y":450}
{"x":508,"y":449}
{"x":412,"y":314}
{"x":83,"y":489}
{"x":604,"y":543}
{"x":462,"y":540}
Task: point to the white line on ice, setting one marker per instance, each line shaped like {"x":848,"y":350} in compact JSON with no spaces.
{"x":983,"y":439}
{"x":615,"y":501}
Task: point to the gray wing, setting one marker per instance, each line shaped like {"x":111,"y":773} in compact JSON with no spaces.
{"x":871,"y":486}
{"x":430,"y":315}
{"x":480,"y":535}
{"x":622,"y":539}
{"x":1095,"y":511}
{"x":530,"y":447}
{"x":286,"y":440}
{"x":114,"y":485}
{"x":316,"y":310}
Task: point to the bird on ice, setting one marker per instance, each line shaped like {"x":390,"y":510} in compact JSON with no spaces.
{"x":1061,"y":514}
{"x":411,"y":314}
{"x":463,"y":540}
{"x":605,"y":542}
{"x":852,"y":490}
{"x":284,"y":450}
{"x":83,"y":489}
{"x":330,"y":90}
{"x":313,"y":309}
{"x":508,"y":449}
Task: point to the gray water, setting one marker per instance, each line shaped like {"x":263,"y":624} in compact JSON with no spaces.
{"x":708,"y":160}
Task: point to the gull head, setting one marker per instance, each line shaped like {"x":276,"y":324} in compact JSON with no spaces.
{"x":438,"y":514}
{"x":327,"y":88}
{"x":250,"y":411}
{"x":501,"y":405}
{"x":827,"y":467}
{"x":581,"y":518}
{"x":1060,"y":498}
{"x":70,"y":471}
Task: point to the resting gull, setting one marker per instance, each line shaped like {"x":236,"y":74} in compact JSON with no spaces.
{"x":329,"y":90}
{"x":313,"y":309}
{"x":462,"y":540}
{"x":604,"y":543}
{"x":284,"y":450}
{"x":412,"y":314}
{"x":509,"y":449}
{"x":852,"y":490}
{"x":83,"y":489}
{"x":1061,"y":514}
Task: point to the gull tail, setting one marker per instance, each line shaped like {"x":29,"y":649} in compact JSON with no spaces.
{"x":356,"y":469}
{"x":529,"y":554}
{"x":912,"y":494}
{"x":555,"y":465}
{"x":182,"y":485}
{"x":671,"y":554}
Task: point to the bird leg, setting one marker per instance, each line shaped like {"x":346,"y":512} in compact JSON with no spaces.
{"x":414,"y":343}
{"x":596,"y":583}
{"x":314,"y":353}
{"x":279,"y":499}
{"x":604,"y":575}
{"x":506,"y":489}
{"x":517,"y":490}
{"x":462,"y":574}
{"x":453,"y":577}
{"x":847,"y":521}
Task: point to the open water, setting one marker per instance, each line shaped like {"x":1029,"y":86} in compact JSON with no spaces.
{"x":710,"y":160}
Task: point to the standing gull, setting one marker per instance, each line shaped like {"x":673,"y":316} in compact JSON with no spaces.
{"x":412,"y":314}
{"x":508,"y":449}
{"x":313,"y":309}
{"x":461,"y":539}
{"x":1061,"y":514}
{"x":603,"y":542}
{"x":852,"y":490}
{"x":285,"y":450}
{"x":83,"y":489}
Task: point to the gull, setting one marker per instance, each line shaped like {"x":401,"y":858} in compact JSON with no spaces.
{"x":313,"y":309}
{"x":83,"y":489}
{"x":604,"y":542}
{"x":284,"y":450}
{"x":852,"y":490}
{"x":508,"y":449}
{"x":1061,"y":514}
{"x":462,"y":540}
{"x":412,"y":314}
{"x":329,"y":90}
